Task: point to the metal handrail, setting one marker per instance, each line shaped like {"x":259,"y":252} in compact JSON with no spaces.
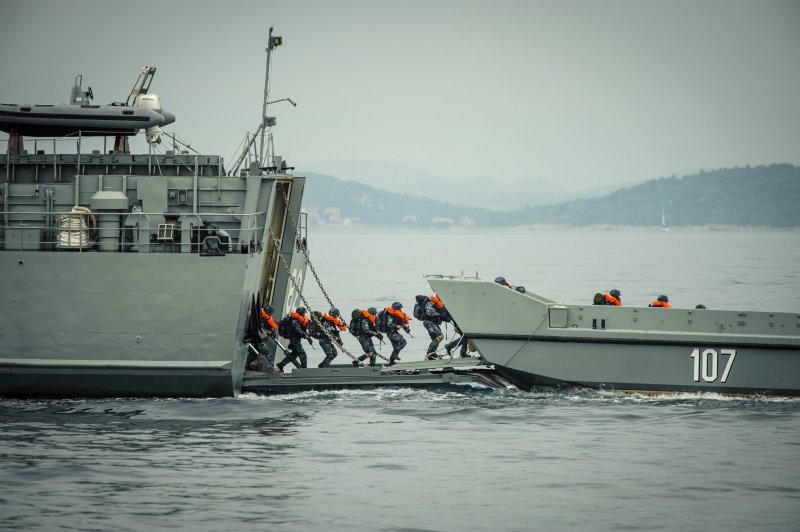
{"x":51,"y":243}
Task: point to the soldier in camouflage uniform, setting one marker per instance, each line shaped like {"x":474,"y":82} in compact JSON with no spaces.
{"x":331,"y":324}
{"x":432,"y":317}
{"x":299,"y":326}
{"x":455,"y":342}
{"x":366,"y":331}
{"x":396,"y":320}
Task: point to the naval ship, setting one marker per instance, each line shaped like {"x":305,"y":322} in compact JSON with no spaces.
{"x":534,"y":341}
{"x":137,"y":274}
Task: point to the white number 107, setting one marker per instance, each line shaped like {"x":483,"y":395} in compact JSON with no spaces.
{"x":706,"y":364}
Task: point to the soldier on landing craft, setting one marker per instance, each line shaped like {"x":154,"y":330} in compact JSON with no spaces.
{"x":612,"y":298}
{"x":429,"y":310}
{"x":662,"y":302}
{"x":365,"y":330}
{"x":298,"y":325}
{"x":332,"y":325}
{"x":268,"y":328}
{"x":396,"y":319}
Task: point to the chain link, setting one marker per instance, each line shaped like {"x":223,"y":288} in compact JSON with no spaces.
{"x":305,"y":302}
{"x":303,"y":249}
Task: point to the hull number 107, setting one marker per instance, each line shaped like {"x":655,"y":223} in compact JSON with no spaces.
{"x":706,"y":364}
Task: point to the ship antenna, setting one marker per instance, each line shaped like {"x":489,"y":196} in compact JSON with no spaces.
{"x":265,"y":151}
{"x":267,"y":121}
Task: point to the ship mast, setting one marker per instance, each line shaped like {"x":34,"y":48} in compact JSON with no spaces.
{"x":264,"y":151}
{"x":267,"y":121}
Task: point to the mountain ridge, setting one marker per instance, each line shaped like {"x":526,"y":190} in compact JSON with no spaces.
{"x":760,"y":196}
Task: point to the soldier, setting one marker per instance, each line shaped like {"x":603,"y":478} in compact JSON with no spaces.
{"x":432,"y":317}
{"x":268,"y":329}
{"x":299,"y":326}
{"x":396,"y":320}
{"x":332,"y":325}
{"x":458,"y":340}
{"x":365,"y":330}
{"x":661,"y":302}
{"x":614,"y":298}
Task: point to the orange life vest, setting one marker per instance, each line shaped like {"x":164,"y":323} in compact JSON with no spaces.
{"x":267,"y":318}
{"x":336,"y":321}
{"x":302,"y":319}
{"x":438,"y":301}
{"x":661,"y":304}
{"x":613,"y":300}
{"x":404,"y":319}
{"x":369,"y":316}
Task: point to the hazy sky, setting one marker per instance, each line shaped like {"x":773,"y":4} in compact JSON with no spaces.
{"x":576,"y":93}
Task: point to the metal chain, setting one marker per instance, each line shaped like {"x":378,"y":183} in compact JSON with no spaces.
{"x":305,"y":302}
{"x":308,"y":260}
{"x":303,"y":249}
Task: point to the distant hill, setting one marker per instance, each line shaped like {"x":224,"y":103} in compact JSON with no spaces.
{"x":484,"y":192}
{"x":750,"y":196}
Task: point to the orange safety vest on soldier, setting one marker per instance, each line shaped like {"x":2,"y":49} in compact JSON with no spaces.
{"x":336,"y":321}
{"x":611,"y":300}
{"x":438,"y":301}
{"x":404,"y":319}
{"x":369,"y":316}
{"x":662,"y":304}
{"x":268,"y":320}
{"x":302,"y":319}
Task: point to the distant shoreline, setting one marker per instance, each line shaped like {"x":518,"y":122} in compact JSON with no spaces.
{"x":536,"y":228}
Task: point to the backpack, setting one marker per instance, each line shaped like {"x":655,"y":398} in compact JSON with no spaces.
{"x":355,"y":322}
{"x":382,"y":322}
{"x":285,"y":327}
{"x":314,"y":328}
{"x":419,"y":307}
{"x":599,"y":299}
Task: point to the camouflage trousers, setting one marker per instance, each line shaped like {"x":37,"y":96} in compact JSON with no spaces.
{"x":295,"y":351}
{"x":452,"y":345}
{"x":398,"y":343}
{"x":435,"y":333}
{"x":263,"y":349}
{"x":330,"y":352}
{"x":369,"y":349}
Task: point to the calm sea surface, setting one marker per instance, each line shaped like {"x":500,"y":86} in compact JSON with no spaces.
{"x":458,"y":458}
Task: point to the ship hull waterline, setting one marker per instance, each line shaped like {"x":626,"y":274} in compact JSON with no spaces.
{"x":638,"y":367}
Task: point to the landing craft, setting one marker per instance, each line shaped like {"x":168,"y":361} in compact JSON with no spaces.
{"x":535,"y":341}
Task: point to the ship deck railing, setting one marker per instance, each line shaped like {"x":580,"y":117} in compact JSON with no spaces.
{"x":132,"y":232}
{"x":85,"y":149}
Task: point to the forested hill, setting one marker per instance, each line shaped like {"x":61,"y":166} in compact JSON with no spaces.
{"x":750,"y":196}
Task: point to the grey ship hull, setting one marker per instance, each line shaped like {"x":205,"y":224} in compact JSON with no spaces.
{"x":128,"y":314}
{"x":534,"y":341}
{"x":95,"y":324}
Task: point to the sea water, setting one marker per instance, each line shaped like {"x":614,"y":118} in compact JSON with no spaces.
{"x":449,"y":458}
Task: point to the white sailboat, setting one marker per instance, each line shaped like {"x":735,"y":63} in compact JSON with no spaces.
{"x":664,"y":219}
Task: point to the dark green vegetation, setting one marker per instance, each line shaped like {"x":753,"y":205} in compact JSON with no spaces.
{"x":751,"y":196}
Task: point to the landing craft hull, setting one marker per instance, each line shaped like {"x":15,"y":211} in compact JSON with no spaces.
{"x":534,"y":341}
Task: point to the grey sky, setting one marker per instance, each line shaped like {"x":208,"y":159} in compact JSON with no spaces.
{"x":575,"y":93}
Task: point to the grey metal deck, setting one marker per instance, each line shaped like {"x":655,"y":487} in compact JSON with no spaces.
{"x":407,"y":374}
